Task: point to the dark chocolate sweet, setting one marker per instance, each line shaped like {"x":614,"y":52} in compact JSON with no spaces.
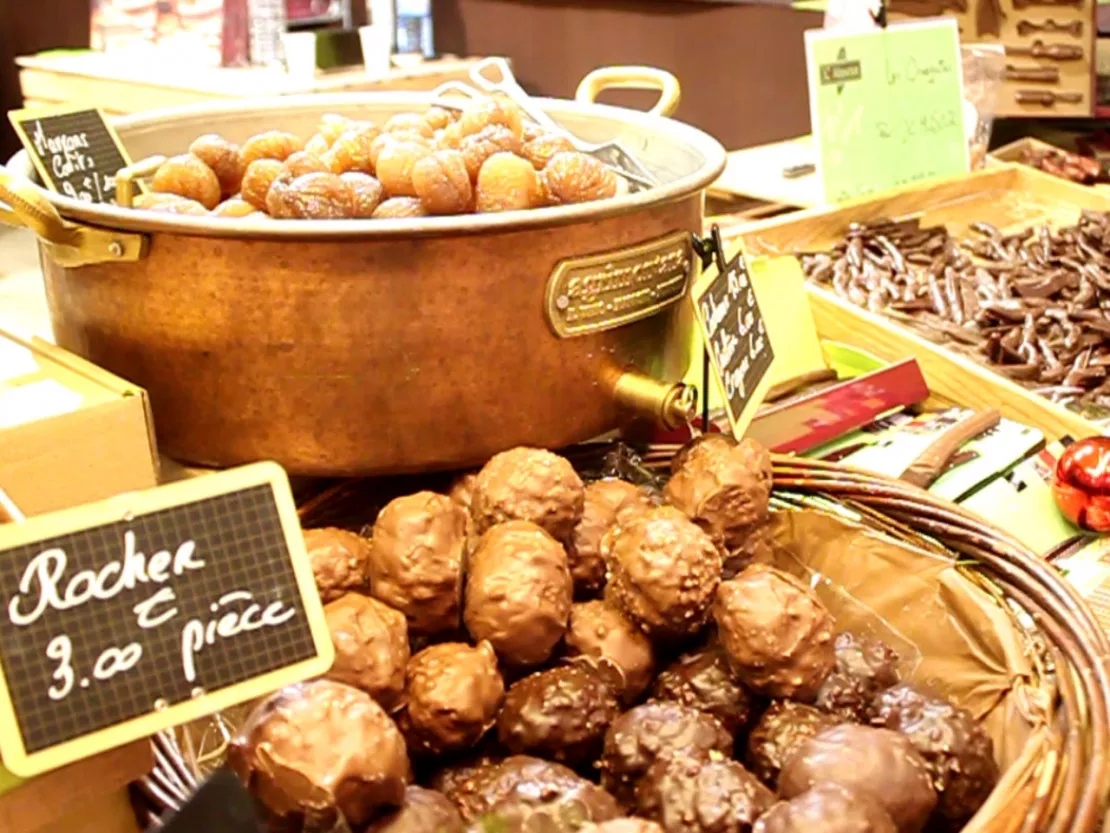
{"x":827,"y":808}
{"x":424,"y":811}
{"x":371,"y":647}
{"x":878,"y":762}
{"x":560,"y":714}
{"x":776,"y":633}
{"x":641,"y":735}
{"x":957,"y":750}
{"x":705,"y":681}
{"x":416,"y":560}
{"x":782,"y":729}
{"x":607,"y":502}
{"x":864,"y":667}
{"x":340,"y":561}
{"x":663,"y":572}
{"x":518,"y":592}
{"x":598,"y":629}
{"x":692,"y":795}
{"x":462,"y":780}
{"x":316,"y":748}
{"x":528,"y":484}
{"x":452,"y":694}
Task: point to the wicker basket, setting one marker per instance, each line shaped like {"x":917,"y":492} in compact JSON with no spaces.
{"x":1060,"y":780}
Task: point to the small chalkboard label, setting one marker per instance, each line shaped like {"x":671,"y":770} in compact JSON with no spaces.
{"x":76,"y":152}
{"x":128,"y":616}
{"x":735,"y":335}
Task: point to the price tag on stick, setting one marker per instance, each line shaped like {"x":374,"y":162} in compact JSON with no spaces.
{"x":122,"y":618}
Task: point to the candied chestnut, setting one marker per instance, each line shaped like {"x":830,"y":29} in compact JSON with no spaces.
{"x":366,"y":193}
{"x":518,"y":592}
{"x":371,"y":647}
{"x":223,"y":158}
{"x":829,"y":808}
{"x":483,"y":113}
{"x":693,"y":795}
{"x":704,"y":680}
{"x":352,"y":150}
{"x":395,"y":166}
{"x":234,"y":207}
{"x":169,"y":204}
{"x":437,"y":118}
{"x":560,"y":714}
{"x":481,"y":146}
{"x":318,"y":748}
{"x":957,"y":750}
{"x":507,"y":183}
{"x":529,"y":484}
{"x":597,"y":629}
{"x":449,"y":137}
{"x":571,"y":176}
{"x":399,"y":207}
{"x":424,"y":811}
{"x":452,"y":694}
{"x":442,"y":183}
{"x":301,"y":163}
{"x":626,"y":824}
{"x":416,"y":560}
{"x":540,"y":150}
{"x":332,"y":126}
{"x":663,"y":572}
{"x":606,"y":502}
{"x":316,"y":196}
{"x":782,"y":729}
{"x":259,"y":176}
{"x":640,"y":736}
{"x":409,"y":123}
{"x":878,"y":762}
{"x":776,"y":633}
{"x":340,"y":561}
{"x":187,"y":176}
{"x":273,"y":144}
{"x":864,"y":667}
{"x":317,"y":144}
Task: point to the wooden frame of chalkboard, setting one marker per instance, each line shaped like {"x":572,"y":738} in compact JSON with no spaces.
{"x":122,"y":618}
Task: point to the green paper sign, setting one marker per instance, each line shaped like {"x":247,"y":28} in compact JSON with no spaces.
{"x":887,"y":106}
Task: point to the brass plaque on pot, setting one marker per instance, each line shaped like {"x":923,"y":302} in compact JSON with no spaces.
{"x":599,"y":292}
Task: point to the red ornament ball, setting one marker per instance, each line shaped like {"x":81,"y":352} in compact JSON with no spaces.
{"x":1082,"y":483}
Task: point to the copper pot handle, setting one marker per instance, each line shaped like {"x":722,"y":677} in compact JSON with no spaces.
{"x":633,"y":78}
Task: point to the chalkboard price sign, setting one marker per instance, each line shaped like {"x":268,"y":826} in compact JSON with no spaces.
{"x":122,"y":618}
{"x":75,"y":152}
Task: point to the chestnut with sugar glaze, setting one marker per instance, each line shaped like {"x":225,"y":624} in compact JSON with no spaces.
{"x":692,"y":795}
{"x":782,"y":728}
{"x":598,"y":629}
{"x":705,"y":681}
{"x":340,"y":561}
{"x":371,"y":647}
{"x":828,"y":808}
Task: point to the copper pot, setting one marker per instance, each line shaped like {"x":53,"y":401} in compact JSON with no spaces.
{"x":359,"y":347}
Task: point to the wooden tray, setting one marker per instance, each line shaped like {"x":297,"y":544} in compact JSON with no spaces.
{"x":1009,"y":197}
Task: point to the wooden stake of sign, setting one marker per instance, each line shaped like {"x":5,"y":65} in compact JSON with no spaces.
{"x":122,"y":618}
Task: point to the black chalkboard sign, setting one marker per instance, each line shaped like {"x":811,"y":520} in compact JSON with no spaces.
{"x":735,"y":335}
{"x":124,"y":617}
{"x":75,"y":152}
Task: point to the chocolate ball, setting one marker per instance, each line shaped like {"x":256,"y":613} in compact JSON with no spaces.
{"x":598,"y":629}
{"x":957,"y":750}
{"x":528,"y":484}
{"x":319,"y":747}
{"x":560,"y":714}
{"x":607,"y":502}
{"x":878,"y":762}
{"x":663,"y":572}
{"x":701,"y":444}
{"x":704,"y":681}
{"x":371,"y":647}
{"x":757,"y":547}
{"x":863,"y":668}
{"x":465,"y":778}
{"x":518,"y":592}
{"x":776,"y":633}
{"x":424,"y":811}
{"x":340,"y":561}
{"x":452,"y":694}
{"x":782,"y":729}
{"x":691,"y":795}
{"x":462,"y":490}
{"x":416,"y":560}
{"x":641,"y":735}
{"x":828,"y":808}
{"x":626,"y":824}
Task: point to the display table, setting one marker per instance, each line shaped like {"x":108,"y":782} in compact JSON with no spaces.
{"x":758,"y":173}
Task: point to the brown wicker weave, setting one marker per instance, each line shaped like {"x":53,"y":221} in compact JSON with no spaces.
{"x":1063,"y":784}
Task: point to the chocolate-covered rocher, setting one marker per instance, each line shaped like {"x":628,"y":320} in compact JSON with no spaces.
{"x":452,"y":694}
{"x":416,"y":560}
{"x":598,"y":629}
{"x":528,"y":484}
{"x":663,"y":572}
{"x":879,"y":762}
{"x":560,"y":714}
{"x":642,"y":734}
{"x":780,"y":730}
{"x":340,"y":561}
{"x":776,"y":633}
{"x":371,"y":647}
{"x":693,"y":795}
{"x":424,"y":811}
{"x":703,"y":443}
{"x":607,"y":502}
{"x":319,"y":747}
{"x":704,"y":680}
{"x":864,"y":667}
{"x":957,"y":750}
{"x":518,"y":592}
{"x":462,"y":490}
{"x":828,"y":808}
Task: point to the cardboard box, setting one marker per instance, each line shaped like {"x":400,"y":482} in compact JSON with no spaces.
{"x":70,"y":432}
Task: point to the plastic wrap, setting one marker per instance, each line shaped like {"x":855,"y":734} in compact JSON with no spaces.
{"x":984,"y":67}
